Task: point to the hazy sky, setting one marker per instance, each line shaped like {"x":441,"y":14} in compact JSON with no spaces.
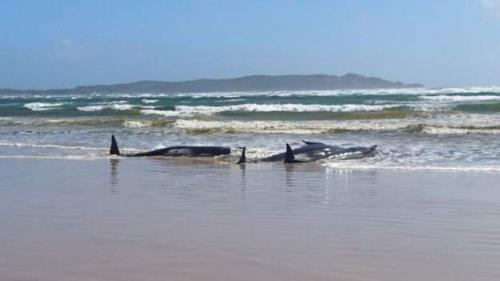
{"x":60,"y":43}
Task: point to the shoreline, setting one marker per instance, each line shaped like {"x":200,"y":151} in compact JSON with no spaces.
{"x":232,"y":159}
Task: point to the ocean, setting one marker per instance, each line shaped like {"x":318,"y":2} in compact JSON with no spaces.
{"x":448,"y":128}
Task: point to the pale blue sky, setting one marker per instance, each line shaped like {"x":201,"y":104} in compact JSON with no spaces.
{"x":59,"y":43}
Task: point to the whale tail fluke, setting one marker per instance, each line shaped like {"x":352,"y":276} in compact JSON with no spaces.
{"x":289,"y":157}
{"x":114,"y":150}
{"x":243,"y":157}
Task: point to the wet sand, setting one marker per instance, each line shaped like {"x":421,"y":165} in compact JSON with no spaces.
{"x":150,"y":219}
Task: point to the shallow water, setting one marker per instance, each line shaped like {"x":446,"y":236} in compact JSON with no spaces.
{"x":453,"y":128}
{"x":181,"y":219}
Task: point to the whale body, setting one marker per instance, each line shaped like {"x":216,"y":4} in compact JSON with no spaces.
{"x":314,"y":151}
{"x":179,"y":150}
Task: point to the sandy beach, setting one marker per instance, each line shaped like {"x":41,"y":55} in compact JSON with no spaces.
{"x":148,"y":219}
{"x":249,"y":140}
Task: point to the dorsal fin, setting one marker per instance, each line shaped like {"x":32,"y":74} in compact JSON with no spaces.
{"x":289,"y":157}
{"x":311,"y":142}
{"x":243,"y":157}
{"x":372,"y":148}
{"x":114,"y":150}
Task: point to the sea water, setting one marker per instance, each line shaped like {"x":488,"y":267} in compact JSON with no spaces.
{"x":449,"y":128}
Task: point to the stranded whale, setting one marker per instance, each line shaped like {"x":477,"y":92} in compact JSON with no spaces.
{"x":313,"y":151}
{"x":179,"y":150}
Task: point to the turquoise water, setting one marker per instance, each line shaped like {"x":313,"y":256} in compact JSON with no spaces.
{"x":234,"y":104}
{"x":414,"y":128}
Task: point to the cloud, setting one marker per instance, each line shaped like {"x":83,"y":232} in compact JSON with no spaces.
{"x":492,"y":6}
{"x":67,"y":51}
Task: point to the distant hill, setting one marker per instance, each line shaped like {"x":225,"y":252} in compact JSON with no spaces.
{"x":246,"y":83}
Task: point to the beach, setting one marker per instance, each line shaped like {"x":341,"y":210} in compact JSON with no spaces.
{"x":181,"y":219}
{"x":249,"y":140}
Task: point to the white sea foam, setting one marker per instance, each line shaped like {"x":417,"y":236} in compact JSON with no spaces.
{"x":121,"y":106}
{"x":90,"y":108}
{"x":87,"y":157}
{"x":448,"y":124}
{"x":201,"y":109}
{"x":461,"y":120}
{"x":379,"y":166}
{"x":165,"y":113}
{"x":20,"y":144}
{"x":402,"y":91}
{"x":188,"y":111}
{"x":114,"y":106}
{"x":437,"y":130}
{"x":137,"y":123}
{"x":298,"y":127}
{"x":447,"y":98}
{"x":42,"y":106}
{"x":149,"y":101}
{"x":345,"y":92}
{"x":235,"y":94}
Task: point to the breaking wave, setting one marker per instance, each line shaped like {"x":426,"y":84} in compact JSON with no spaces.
{"x":433,"y":127}
{"x":460,"y":98}
{"x":164,"y":113}
{"x":442,"y":130}
{"x":147,"y":123}
{"x":453,"y":128}
{"x":300,"y":127}
{"x":149,"y":101}
{"x":91,"y":108}
{"x":42,"y":106}
{"x":282,"y":108}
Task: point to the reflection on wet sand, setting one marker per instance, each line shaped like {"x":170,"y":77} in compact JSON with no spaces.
{"x":243,"y":170}
{"x":114,"y":166}
{"x":190,"y":220}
